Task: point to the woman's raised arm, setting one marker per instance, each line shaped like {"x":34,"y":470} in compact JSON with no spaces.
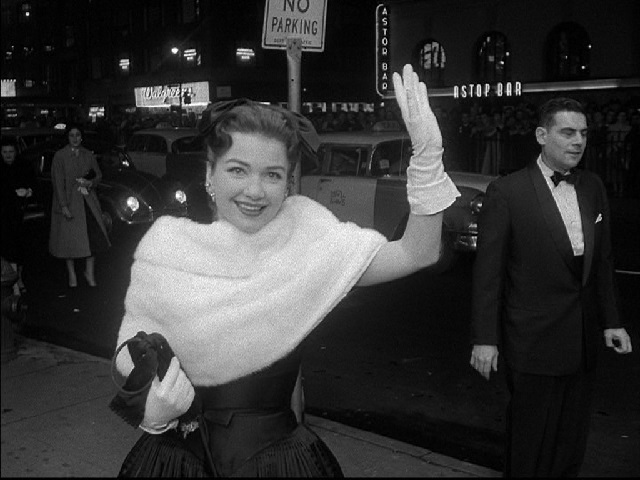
{"x":429,"y":188}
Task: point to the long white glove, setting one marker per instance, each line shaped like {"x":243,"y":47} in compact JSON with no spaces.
{"x":429,"y":188}
{"x":167,"y":400}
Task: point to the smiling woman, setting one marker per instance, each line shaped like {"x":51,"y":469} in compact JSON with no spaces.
{"x":249,"y":189}
{"x":236,"y":298}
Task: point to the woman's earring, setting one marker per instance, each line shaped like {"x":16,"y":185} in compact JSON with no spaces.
{"x":210,"y":191}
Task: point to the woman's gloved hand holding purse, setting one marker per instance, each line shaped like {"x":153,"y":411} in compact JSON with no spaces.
{"x":157,"y":391}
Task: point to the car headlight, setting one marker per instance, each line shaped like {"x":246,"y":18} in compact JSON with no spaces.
{"x":476,"y":203}
{"x":180,"y":196}
{"x":133,"y":204}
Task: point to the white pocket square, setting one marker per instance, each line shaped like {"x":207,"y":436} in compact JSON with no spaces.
{"x":599,"y":218}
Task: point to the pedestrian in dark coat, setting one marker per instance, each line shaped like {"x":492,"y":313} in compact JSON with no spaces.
{"x":543,"y":294}
{"x":77,"y":229}
{"x":17,"y":186}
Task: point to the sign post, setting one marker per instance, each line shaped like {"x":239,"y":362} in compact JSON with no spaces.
{"x":294,"y":26}
{"x":294,"y":59}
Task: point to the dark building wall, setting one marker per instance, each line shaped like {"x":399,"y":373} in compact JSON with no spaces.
{"x":343,"y":72}
{"x":457,"y":24}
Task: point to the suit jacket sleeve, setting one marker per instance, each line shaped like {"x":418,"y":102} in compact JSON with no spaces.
{"x":607,"y":299}
{"x":490,"y":267}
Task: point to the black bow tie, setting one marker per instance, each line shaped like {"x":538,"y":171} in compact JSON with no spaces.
{"x":570,"y":177}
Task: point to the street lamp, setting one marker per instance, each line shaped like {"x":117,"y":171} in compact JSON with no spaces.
{"x":177,"y":51}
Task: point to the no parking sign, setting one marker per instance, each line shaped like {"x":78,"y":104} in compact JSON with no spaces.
{"x":303,"y":19}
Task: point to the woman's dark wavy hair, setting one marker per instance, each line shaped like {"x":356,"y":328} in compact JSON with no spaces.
{"x":221,"y":119}
{"x":548,"y":110}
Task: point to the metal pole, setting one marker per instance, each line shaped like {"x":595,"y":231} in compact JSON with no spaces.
{"x":181,"y":53}
{"x":294,"y":60}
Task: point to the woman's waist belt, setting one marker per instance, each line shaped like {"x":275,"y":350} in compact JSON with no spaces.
{"x":249,"y":393}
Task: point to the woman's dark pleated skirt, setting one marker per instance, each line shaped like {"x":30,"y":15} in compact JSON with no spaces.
{"x":300,"y":454}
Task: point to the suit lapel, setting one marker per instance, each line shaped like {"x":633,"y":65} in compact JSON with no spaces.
{"x":588,"y":226}
{"x":551,"y":214}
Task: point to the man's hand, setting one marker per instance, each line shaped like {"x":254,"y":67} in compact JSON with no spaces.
{"x":618,"y":339}
{"x":484,"y":358}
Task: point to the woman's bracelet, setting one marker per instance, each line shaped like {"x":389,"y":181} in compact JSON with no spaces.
{"x":160,"y":429}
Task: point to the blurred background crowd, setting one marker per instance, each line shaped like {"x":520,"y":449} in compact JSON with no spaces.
{"x":494,"y":140}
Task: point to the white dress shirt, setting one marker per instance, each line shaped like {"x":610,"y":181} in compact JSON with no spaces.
{"x":567,"y":200}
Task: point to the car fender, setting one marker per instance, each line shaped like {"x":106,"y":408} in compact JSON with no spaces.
{"x":110,"y":206}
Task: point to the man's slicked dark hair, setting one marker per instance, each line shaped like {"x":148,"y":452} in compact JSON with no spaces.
{"x":548,"y":110}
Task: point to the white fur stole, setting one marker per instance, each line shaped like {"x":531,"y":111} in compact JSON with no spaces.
{"x":231,"y":303}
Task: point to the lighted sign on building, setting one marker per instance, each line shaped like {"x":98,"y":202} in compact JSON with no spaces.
{"x":483,"y":90}
{"x":383,"y":77}
{"x":193,"y":93}
{"x":8,"y":87}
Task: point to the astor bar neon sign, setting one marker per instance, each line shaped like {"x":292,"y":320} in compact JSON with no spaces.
{"x":483,"y":90}
{"x":382,"y":49}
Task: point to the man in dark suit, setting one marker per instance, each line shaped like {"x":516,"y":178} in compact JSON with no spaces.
{"x":543,"y":291}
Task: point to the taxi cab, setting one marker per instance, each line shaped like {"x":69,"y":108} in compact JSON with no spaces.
{"x":361,"y":177}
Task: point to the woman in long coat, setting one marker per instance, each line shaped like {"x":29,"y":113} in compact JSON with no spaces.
{"x":77,"y":229}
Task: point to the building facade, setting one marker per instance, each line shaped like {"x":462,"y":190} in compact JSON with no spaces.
{"x":113,"y":57}
{"x":470,"y":50}
{"x":107,"y":55}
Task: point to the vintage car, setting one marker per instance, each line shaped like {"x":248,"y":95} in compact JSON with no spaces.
{"x":360,"y":177}
{"x":127,"y":196}
{"x":25,"y":137}
{"x":148,"y":148}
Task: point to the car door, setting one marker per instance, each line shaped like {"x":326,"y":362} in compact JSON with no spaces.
{"x":342,"y":187}
{"x":135,"y":149}
{"x":155,"y":155}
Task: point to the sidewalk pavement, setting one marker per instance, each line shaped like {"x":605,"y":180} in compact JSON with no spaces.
{"x":56,"y":423}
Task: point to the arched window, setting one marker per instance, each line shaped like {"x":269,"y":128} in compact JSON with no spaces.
{"x":431,"y":62}
{"x":492,"y":58}
{"x":568,"y":52}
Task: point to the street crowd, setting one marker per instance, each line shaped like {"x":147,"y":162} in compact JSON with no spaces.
{"x":494,"y":140}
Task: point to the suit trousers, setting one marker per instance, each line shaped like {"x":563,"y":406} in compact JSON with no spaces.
{"x":548,"y":420}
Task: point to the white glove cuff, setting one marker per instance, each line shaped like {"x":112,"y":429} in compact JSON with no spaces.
{"x":429,"y":189}
{"x":160,"y":429}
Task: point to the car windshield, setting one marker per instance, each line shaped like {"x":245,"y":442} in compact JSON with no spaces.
{"x":391,"y":158}
{"x":346,"y":160}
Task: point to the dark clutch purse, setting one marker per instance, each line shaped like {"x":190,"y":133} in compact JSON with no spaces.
{"x":151,"y":355}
